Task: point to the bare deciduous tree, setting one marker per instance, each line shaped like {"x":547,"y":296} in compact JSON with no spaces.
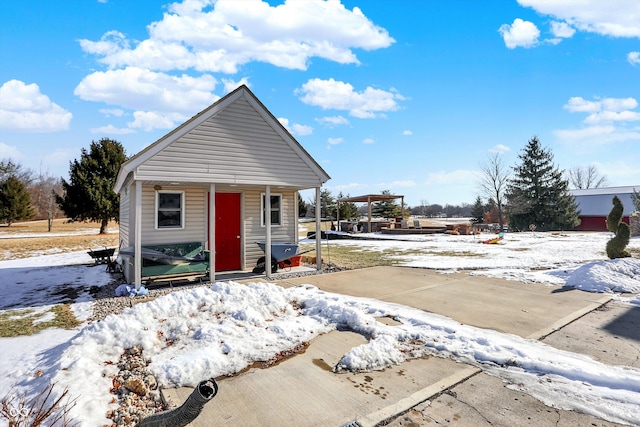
{"x":586,"y":177}
{"x":43,"y":197}
{"x":493,"y":183}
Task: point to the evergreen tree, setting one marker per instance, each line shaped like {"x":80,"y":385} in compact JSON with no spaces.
{"x":8,"y":168}
{"x":477,"y":212}
{"x":327,"y":204}
{"x":15,"y":202}
{"x":348,"y":210}
{"x":302,"y":207}
{"x":387,"y":208}
{"x":89,"y":196}
{"x":537,"y":194}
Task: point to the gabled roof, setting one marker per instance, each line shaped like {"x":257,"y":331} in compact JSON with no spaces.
{"x":130,"y":167}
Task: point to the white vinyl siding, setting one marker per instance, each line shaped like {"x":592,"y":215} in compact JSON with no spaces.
{"x":195,"y":221}
{"x":125,"y":206}
{"x":235,"y":146}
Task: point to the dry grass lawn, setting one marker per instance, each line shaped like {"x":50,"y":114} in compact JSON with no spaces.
{"x":25,"y":239}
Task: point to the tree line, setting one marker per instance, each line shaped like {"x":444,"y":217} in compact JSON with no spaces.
{"x":87,"y":195}
{"x":533,"y":194}
{"x":530,"y":195}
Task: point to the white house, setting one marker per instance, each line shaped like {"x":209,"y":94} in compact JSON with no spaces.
{"x":596,"y":203}
{"x":207,"y":182}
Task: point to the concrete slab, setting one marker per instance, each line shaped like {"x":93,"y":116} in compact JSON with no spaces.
{"x":302,"y":391}
{"x":485,"y":401}
{"x":609,"y":334}
{"x":530,"y":311}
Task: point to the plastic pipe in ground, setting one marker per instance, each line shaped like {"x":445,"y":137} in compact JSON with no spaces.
{"x":188,"y":411}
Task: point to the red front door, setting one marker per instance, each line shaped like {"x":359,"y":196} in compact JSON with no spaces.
{"x":228,"y":241}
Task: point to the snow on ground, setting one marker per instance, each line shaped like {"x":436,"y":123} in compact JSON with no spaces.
{"x":214,"y":330}
{"x":526,"y":257}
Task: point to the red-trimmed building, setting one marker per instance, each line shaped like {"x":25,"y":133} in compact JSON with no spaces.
{"x":595,"y":204}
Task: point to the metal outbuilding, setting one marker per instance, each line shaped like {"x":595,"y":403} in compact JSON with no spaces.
{"x":595,"y":204}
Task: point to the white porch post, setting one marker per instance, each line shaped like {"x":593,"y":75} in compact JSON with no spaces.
{"x":369,"y":214}
{"x":267,"y":225}
{"x":296,"y":211}
{"x":212,"y":233}
{"x":318,"y":231}
{"x":137,"y":246}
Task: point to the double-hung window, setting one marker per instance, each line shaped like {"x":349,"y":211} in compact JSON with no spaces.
{"x":169,"y":209}
{"x":276,"y":209}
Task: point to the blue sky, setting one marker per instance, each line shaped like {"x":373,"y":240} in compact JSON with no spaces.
{"x":406,"y":96}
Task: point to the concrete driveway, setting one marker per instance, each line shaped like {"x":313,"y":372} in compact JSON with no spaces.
{"x":302,"y":390}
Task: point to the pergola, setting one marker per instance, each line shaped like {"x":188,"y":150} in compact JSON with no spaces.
{"x":368,"y":199}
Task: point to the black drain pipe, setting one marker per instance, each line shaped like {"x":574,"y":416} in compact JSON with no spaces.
{"x":188,"y":411}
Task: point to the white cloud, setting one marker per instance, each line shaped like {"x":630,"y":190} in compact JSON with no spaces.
{"x":295,"y":128}
{"x":111,"y":130}
{"x":519,"y":34}
{"x":595,"y":136}
{"x":350,"y":186}
{"x":618,"y":19}
{"x":460,"y":176}
{"x":112,"y":112}
{"x":25,"y":109}
{"x":605,"y":109}
{"x":10,"y":152}
{"x":368,"y":141}
{"x":612,"y":116}
{"x":334,"y":141}
{"x":621,"y":172}
{"x":333,"y":121}
{"x":231,"y":85}
{"x":150,"y":120}
{"x":407,"y":132}
{"x":140,"y":89}
{"x":223,"y":35}
{"x":110,"y":43}
{"x":337,"y":95}
{"x":579,"y":104}
{"x":302,"y":130}
{"x":619,"y":104}
{"x":633,"y":58}
{"x":397,"y":184}
{"x":605,"y":122}
{"x":562,"y":30}
{"x":499,"y":149}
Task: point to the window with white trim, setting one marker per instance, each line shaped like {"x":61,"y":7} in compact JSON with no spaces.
{"x":169,"y":209}
{"x":276,"y":209}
